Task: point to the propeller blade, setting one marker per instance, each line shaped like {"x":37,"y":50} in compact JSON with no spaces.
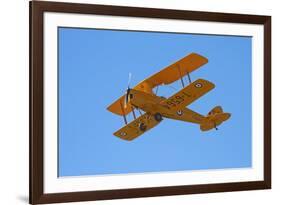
{"x":128,"y":90}
{"x":129,"y":80}
{"x":125,"y":101}
{"x":127,"y":97}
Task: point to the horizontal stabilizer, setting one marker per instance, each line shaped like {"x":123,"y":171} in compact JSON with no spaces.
{"x":214,"y":118}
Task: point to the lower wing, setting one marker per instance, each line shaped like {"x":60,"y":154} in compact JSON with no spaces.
{"x":137,"y":127}
{"x":188,"y":94}
{"x":186,"y":115}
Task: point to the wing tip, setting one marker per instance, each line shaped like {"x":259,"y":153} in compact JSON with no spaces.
{"x":207,"y":81}
{"x":200,"y":56}
{"x":115,"y":107}
{"x":128,"y":138}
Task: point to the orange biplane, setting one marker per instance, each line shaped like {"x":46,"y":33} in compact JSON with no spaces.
{"x":142,"y":97}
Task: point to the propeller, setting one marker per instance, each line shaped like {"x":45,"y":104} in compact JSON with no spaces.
{"x":128,"y":90}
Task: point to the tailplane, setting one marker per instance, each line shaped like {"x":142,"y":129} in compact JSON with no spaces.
{"x":214,"y":118}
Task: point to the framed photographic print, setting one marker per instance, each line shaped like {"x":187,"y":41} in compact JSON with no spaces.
{"x":139,"y":102}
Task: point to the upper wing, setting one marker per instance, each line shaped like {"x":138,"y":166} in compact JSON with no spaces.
{"x":186,"y":115}
{"x":188,"y":94}
{"x":132,"y":130}
{"x":166,"y":76}
{"x":176,"y":70}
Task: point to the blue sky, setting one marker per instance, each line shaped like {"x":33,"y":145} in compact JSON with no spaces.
{"x":93,"y":72}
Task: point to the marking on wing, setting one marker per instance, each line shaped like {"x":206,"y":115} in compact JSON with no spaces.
{"x":188,"y":94}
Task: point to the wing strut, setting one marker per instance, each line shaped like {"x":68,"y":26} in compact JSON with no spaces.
{"x":189,"y":79}
{"x":156,"y":90}
{"x":133,"y":110}
{"x":123,"y":113}
{"x":180,"y":75}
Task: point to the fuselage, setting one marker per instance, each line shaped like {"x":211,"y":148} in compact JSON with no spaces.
{"x":153,"y":104}
{"x":147,"y":102}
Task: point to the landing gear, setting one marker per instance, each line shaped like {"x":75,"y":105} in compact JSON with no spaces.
{"x":142,"y":127}
{"x":215,"y":126}
{"x":158,"y":117}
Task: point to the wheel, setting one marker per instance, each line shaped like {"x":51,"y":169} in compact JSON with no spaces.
{"x":142,"y":127}
{"x":158,"y":117}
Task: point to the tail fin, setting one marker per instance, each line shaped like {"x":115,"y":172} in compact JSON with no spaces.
{"x":217,"y":109}
{"x":214,"y":118}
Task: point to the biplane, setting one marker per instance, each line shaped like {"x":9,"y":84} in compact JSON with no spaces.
{"x":153,"y":109}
